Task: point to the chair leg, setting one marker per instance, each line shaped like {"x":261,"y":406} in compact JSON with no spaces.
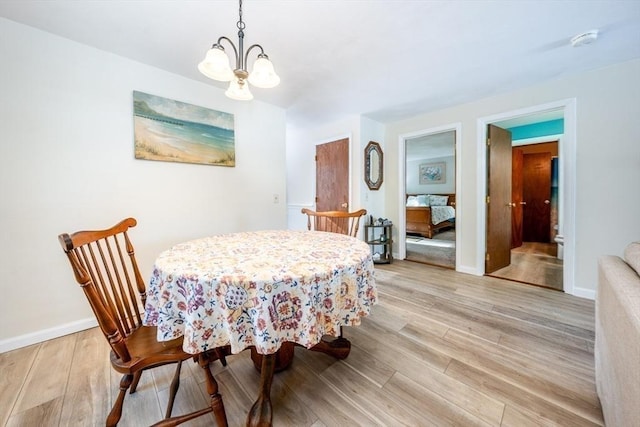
{"x":116,"y":411}
{"x":175,"y":383}
{"x":136,"y":380}
{"x":222,"y":355}
{"x":212,"y":388}
{"x":216,"y":405}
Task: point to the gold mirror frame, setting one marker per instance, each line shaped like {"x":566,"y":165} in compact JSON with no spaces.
{"x":373,"y":165}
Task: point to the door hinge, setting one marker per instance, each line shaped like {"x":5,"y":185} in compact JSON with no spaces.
{"x":488,"y":142}
{"x":315,"y":158}
{"x":316,"y":199}
{"x":488,"y":199}
{"x":487,"y":257}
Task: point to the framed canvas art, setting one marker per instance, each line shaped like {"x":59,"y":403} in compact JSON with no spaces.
{"x":433,"y":173}
{"x":173,"y":131}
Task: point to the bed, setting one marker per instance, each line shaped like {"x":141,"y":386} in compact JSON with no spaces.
{"x":427,"y":214}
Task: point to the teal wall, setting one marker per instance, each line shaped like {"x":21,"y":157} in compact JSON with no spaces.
{"x":536,"y":130}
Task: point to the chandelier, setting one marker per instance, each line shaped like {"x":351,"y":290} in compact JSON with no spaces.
{"x":216,"y":66}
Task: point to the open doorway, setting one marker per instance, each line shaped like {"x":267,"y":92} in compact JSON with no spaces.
{"x":542,"y":257}
{"x":536,"y":246}
{"x":429,"y":167}
{"x":431,"y":199}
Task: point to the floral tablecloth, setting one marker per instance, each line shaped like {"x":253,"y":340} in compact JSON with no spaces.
{"x":260,"y":288}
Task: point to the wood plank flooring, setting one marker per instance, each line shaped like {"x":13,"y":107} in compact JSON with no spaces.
{"x":534,"y":263}
{"x":440,"y":349}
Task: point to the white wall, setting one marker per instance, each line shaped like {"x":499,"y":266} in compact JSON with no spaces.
{"x":607,"y":167}
{"x":67,"y":163}
{"x":372,"y":200}
{"x":413,"y":177}
{"x":301,"y":168}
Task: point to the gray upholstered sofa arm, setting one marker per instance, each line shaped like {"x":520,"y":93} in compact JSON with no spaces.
{"x":617,"y":347}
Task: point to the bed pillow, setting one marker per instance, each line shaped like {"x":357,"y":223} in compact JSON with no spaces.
{"x":438,"y":200}
{"x":412,"y":201}
{"x":423,"y":200}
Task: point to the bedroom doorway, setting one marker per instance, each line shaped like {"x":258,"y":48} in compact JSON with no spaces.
{"x":430,"y":198}
{"x":541,"y":257}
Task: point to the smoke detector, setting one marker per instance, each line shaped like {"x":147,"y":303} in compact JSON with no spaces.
{"x":584,"y":38}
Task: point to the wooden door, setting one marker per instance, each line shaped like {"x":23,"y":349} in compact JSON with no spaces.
{"x":537,"y":194}
{"x":332,"y":176}
{"x":516,"y":197}
{"x":498,"y":199}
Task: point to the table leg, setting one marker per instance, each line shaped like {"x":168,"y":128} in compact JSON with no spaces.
{"x":283,"y":357}
{"x":261,"y":412}
{"x":339,"y":347}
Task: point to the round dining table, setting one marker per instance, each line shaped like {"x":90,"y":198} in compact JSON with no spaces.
{"x":263,"y":290}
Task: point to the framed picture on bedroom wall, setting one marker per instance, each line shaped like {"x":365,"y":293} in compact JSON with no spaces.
{"x":433,"y":173}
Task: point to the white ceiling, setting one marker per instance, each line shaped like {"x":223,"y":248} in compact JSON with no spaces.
{"x":383,"y":59}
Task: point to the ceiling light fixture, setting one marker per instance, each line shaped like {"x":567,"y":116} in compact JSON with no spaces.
{"x":584,"y":38}
{"x":216,"y":66}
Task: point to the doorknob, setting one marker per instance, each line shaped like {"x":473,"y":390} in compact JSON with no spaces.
{"x":511,"y":205}
{"x":344,"y":205}
{"x":546,"y":202}
{"x":523,"y":203}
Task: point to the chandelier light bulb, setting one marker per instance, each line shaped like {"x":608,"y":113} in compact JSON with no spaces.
{"x":216,"y":65}
{"x":239,"y":90}
{"x":263,"y":74}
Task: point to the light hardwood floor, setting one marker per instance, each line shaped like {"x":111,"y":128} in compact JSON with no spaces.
{"x":536,"y":264}
{"x":441,"y":348}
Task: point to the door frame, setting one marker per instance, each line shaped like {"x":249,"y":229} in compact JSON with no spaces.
{"x":566,"y":182}
{"x":402,"y":173}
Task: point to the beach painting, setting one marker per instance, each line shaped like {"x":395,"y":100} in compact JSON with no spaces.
{"x":172,"y":131}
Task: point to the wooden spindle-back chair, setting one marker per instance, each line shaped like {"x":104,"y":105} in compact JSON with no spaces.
{"x":104,"y":264}
{"x":334,"y":221}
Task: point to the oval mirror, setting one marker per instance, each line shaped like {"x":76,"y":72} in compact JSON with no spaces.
{"x":373,"y":162}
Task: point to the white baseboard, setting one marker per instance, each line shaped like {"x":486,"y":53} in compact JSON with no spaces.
{"x":468,"y":270}
{"x":584,"y":293}
{"x":46,"y":334}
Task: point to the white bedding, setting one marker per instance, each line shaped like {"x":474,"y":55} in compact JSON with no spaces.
{"x":442,"y":213}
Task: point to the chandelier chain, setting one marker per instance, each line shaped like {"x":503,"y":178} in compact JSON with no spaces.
{"x":240,"y":22}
